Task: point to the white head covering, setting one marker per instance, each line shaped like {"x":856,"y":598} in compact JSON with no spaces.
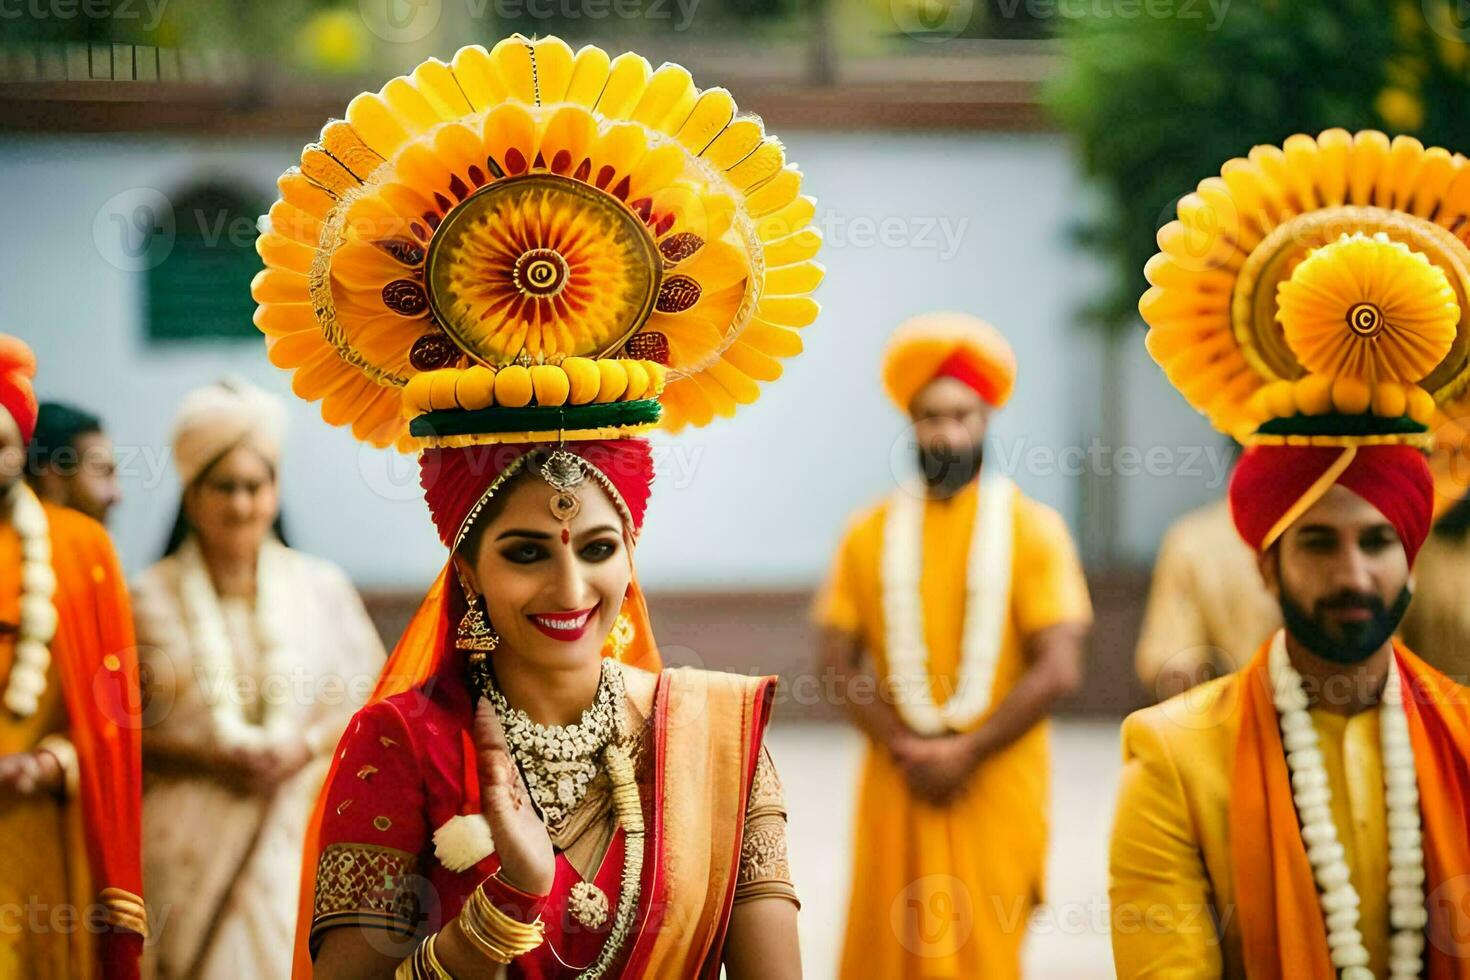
{"x":214,"y":420}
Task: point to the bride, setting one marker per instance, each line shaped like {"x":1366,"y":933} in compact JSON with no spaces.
{"x":537,"y":255}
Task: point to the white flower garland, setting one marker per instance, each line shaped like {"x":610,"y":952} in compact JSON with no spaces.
{"x":1313,"y":797}
{"x":987,"y":604}
{"x":214,"y":655}
{"x":38,"y":616}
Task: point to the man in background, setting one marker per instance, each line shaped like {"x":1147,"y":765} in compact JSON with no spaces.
{"x":70,"y":760}
{"x":72,"y":463}
{"x":961,"y":602}
{"x":1207,"y":611}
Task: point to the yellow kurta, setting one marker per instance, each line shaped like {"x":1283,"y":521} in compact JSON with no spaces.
{"x":1171,"y":885}
{"x":1207,"y":603}
{"x":947,"y":891}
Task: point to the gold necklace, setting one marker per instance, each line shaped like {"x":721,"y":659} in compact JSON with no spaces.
{"x":626,"y":802}
{"x":560,"y":761}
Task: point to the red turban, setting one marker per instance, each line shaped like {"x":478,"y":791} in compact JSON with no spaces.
{"x":17,"y":368}
{"x":455,"y":480}
{"x":1273,"y":485}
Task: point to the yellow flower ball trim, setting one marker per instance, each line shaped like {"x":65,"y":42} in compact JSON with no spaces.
{"x":1367,"y":309}
{"x":513,"y":387}
{"x":475,"y":388}
{"x":1319,"y":395}
{"x":575,"y":381}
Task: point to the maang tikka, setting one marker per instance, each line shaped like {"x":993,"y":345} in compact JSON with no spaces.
{"x":563,"y":472}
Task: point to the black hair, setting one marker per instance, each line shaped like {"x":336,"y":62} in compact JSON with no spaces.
{"x":1454,"y":524}
{"x":58,"y":427}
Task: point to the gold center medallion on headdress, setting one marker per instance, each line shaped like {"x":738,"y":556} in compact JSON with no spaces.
{"x":540,"y":272}
{"x":541,"y":264}
{"x":1365,"y":319}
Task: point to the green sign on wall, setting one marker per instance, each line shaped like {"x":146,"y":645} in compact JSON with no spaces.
{"x":201,"y":260}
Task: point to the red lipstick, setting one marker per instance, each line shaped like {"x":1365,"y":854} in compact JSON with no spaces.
{"x":564,"y":626}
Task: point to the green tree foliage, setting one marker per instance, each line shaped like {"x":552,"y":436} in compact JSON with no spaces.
{"x":1160,"y":99}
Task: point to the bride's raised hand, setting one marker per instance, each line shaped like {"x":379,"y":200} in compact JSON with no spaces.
{"x":527,"y":861}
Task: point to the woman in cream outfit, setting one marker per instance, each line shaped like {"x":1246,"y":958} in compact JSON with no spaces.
{"x":254,"y":656}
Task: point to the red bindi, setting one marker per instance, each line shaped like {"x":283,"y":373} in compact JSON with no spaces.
{"x":566,"y":536}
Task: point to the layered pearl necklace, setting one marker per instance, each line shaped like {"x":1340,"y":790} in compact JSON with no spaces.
{"x":987,"y":603}
{"x":38,"y":617}
{"x":1313,"y":797}
{"x":216,"y":663}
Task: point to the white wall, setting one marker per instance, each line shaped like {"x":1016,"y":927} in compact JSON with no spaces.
{"x":913,"y":223}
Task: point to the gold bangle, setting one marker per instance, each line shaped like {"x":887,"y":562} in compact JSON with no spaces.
{"x":423,"y":964}
{"x":486,"y":946}
{"x":496,"y":933}
{"x":432,"y":959}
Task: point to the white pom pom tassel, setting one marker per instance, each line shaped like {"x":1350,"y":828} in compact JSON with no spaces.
{"x":463,"y":842}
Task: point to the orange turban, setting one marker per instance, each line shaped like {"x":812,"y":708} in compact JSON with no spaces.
{"x":954,"y":345}
{"x":17,"y":368}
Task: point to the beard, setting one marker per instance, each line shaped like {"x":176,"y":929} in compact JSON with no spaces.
{"x":947,"y":469}
{"x":1344,"y":643}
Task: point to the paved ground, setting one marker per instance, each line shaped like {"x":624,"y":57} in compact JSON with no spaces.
{"x":1069,"y":939}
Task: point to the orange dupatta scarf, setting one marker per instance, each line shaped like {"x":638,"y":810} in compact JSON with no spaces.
{"x":1283,"y":933}
{"x":95,"y":654}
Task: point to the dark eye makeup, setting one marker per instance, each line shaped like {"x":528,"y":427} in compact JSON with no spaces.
{"x":526,"y":552}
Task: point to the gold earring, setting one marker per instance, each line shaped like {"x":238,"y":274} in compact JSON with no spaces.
{"x":620,"y":637}
{"x":475,"y":632}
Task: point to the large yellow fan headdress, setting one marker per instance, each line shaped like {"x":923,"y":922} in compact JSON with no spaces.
{"x":531,"y":243}
{"x":1318,"y":293}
